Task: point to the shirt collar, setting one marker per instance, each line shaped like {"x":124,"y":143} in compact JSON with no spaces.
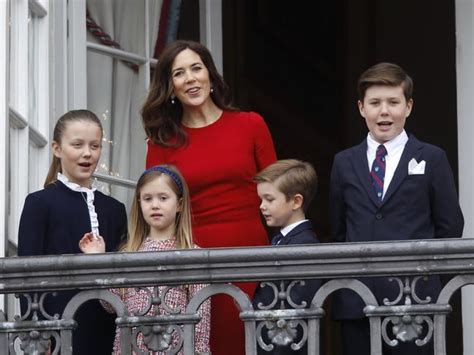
{"x":288,"y":228}
{"x":391,"y":145}
{"x":73,"y":186}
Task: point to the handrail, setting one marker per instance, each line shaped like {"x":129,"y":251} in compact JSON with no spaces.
{"x":421,"y":257}
{"x":339,"y":265}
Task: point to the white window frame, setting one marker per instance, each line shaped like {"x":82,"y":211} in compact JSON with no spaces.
{"x":25,"y":129}
{"x":4,"y":129}
{"x":28,"y":137}
{"x":465,"y":105}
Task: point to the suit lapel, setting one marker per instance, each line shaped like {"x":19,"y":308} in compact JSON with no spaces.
{"x":361,"y":167}
{"x":412,"y":150}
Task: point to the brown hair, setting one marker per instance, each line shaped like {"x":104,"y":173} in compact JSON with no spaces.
{"x":388,"y":74}
{"x":291,"y":177}
{"x":59,"y":129}
{"x":162,"y":119}
{"x":139,"y":229}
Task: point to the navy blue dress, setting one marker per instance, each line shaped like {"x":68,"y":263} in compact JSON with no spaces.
{"x":52,"y":222}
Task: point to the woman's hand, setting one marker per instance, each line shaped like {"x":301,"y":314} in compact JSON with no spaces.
{"x":91,"y":243}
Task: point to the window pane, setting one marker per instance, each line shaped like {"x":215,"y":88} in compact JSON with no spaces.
{"x":33,"y":168}
{"x":117,"y":23}
{"x":115,"y":93}
{"x":115,"y":89}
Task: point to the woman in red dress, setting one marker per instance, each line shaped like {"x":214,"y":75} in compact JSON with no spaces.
{"x":191,"y":124}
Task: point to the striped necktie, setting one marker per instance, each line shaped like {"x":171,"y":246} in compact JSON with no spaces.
{"x":377,"y":173}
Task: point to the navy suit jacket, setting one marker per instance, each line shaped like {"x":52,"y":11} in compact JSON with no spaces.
{"x":301,"y":234}
{"x":414,"y":207}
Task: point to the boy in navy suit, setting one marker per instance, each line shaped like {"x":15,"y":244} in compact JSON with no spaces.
{"x":389,"y":187}
{"x":286,"y":189}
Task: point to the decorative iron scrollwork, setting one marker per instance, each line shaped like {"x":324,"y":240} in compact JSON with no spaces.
{"x":282,"y":330}
{"x":159,"y":338}
{"x":37,"y":342}
{"x":35,"y":307}
{"x":413,"y":290}
{"x":386,"y":301}
{"x":407,"y":289}
{"x":281,"y":295}
{"x":156,"y":337}
{"x":407,"y":328}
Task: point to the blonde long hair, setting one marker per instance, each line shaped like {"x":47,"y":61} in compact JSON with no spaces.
{"x":138,"y":228}
{"x":59,"y":129}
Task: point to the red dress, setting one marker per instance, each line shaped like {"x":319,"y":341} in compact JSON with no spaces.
{"x":218,"y":165}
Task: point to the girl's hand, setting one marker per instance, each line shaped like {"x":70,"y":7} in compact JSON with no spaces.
{"x":91,"y":243}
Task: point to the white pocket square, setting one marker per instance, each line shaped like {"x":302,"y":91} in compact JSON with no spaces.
{"x":415,"y":168}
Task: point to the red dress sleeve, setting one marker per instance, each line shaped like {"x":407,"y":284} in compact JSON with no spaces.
{"x":264,"y":149}
{"x":154,"y":155}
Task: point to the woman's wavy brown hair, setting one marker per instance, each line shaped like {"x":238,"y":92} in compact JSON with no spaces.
{"x":162,"y":119}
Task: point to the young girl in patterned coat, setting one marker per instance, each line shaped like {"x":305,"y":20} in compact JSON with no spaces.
{"x":160,"y":219}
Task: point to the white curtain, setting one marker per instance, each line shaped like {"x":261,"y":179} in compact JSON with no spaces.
{"x":114,"y":90}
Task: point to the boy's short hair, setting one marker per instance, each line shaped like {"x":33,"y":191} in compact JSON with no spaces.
{"x":291,"y":177}
{"x":388,"y":74}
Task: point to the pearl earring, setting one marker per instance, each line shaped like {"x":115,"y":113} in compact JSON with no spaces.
{"x":172,"y":100}
{"x":212,"y":90}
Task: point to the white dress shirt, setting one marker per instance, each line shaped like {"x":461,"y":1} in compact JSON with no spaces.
{"x":89,"y":201}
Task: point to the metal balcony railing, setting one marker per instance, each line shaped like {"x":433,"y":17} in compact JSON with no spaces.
{"x":406,"y":262}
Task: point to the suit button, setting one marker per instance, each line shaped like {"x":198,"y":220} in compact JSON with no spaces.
{"x":378,"y":216}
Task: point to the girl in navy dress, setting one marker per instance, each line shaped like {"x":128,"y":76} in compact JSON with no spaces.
{"x":56,"y":218}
